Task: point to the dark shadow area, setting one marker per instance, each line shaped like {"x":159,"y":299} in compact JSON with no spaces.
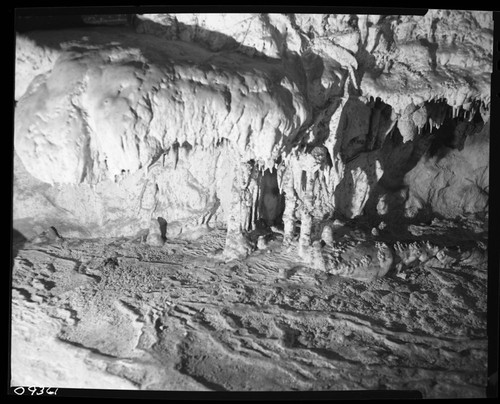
{"x":452,"y":134}
{"x":17,"y":242}
{"x":212,"y":40}
{"x":32,"y":23}
{"x":398,"y":158}
{"x":432,"y":48}
{"x":409,"y":154}
{"x":186,"y":147}
{"x":271,"y":202}
{"x":163,"y":227}
{"x":24,"y":23}
{"x":355,"y":154}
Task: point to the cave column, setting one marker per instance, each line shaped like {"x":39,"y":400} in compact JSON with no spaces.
{"x":234,"y":217}
{"x":311,"y":164}
{"x":290,"y":207}
{"x":253,"y":187}
{"x":306,"y":215}
{"x":239,"y":217}
{"x":246,"y":209}
{"x":247,"y":185}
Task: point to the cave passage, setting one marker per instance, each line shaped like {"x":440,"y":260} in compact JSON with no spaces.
{"x":271,"y":203}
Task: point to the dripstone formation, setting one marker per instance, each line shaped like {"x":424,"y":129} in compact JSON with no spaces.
{"x":248,"y":120}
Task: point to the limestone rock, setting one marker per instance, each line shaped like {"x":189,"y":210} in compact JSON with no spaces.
{"x":327,"y":235}
{"x":454,"y":183}
{"x":114,"y":126}
{"x":156,"y":237}
{"x":363,"y":260}
{"x":261,"y":243}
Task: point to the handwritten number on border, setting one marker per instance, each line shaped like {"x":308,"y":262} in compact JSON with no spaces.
{"x":41,"y":390}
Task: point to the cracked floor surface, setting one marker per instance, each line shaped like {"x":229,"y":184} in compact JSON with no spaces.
{"x":119,"y":314}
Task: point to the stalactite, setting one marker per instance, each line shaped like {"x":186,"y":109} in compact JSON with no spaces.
{"x":406,"y":125}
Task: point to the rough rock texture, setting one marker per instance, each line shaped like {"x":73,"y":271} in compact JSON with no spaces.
{"x":115,"y":126}
{"x":454,"y":181}
{"x":253,"y":202}
{"x":120,"y":314}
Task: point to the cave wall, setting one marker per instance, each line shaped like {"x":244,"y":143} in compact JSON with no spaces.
{"x":356,"y":114}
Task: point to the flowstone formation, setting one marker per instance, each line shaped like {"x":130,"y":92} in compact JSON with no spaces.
{"x":177,"y":124}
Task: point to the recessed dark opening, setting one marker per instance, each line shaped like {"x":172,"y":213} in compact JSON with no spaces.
{"x":272,"y":202}
{"x":186,"y":145}
{"x":443,"y":136}
{"x":163,"y":227}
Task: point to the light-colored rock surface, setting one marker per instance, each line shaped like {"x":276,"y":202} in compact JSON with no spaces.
{"x":118,"y":314}
{"x":249,"y":202}
{"x":115,"y":101}
{"x":197,"y":94}
{"x":454,"y":181}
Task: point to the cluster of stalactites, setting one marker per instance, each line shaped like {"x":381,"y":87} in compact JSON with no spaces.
{"x":420,"y":118}
{"x":432,"y":114}
{"x":469,"y":109}
{"x":180,"y":151}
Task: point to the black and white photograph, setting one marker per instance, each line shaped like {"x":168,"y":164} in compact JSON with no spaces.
{"x":252,"y":201}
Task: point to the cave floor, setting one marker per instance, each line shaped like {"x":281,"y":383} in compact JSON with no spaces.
{"x":119,"y":314}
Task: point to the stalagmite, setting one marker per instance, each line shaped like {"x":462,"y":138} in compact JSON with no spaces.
{"x":327,"y":235}
{"x":261,"y":243}
{"x":316,"y":256}
{"x":155,"y":237}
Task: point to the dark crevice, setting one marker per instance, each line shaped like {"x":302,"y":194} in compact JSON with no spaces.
{"x":24,"y":292}
{"x":163,"y":227}
{"x":331,"y":355}
{"x":207,"y":383}
{"x":271,"y":203}
{"x":17,"y":242}
{"x":91,"y":349}
{"x":432,"y":48}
